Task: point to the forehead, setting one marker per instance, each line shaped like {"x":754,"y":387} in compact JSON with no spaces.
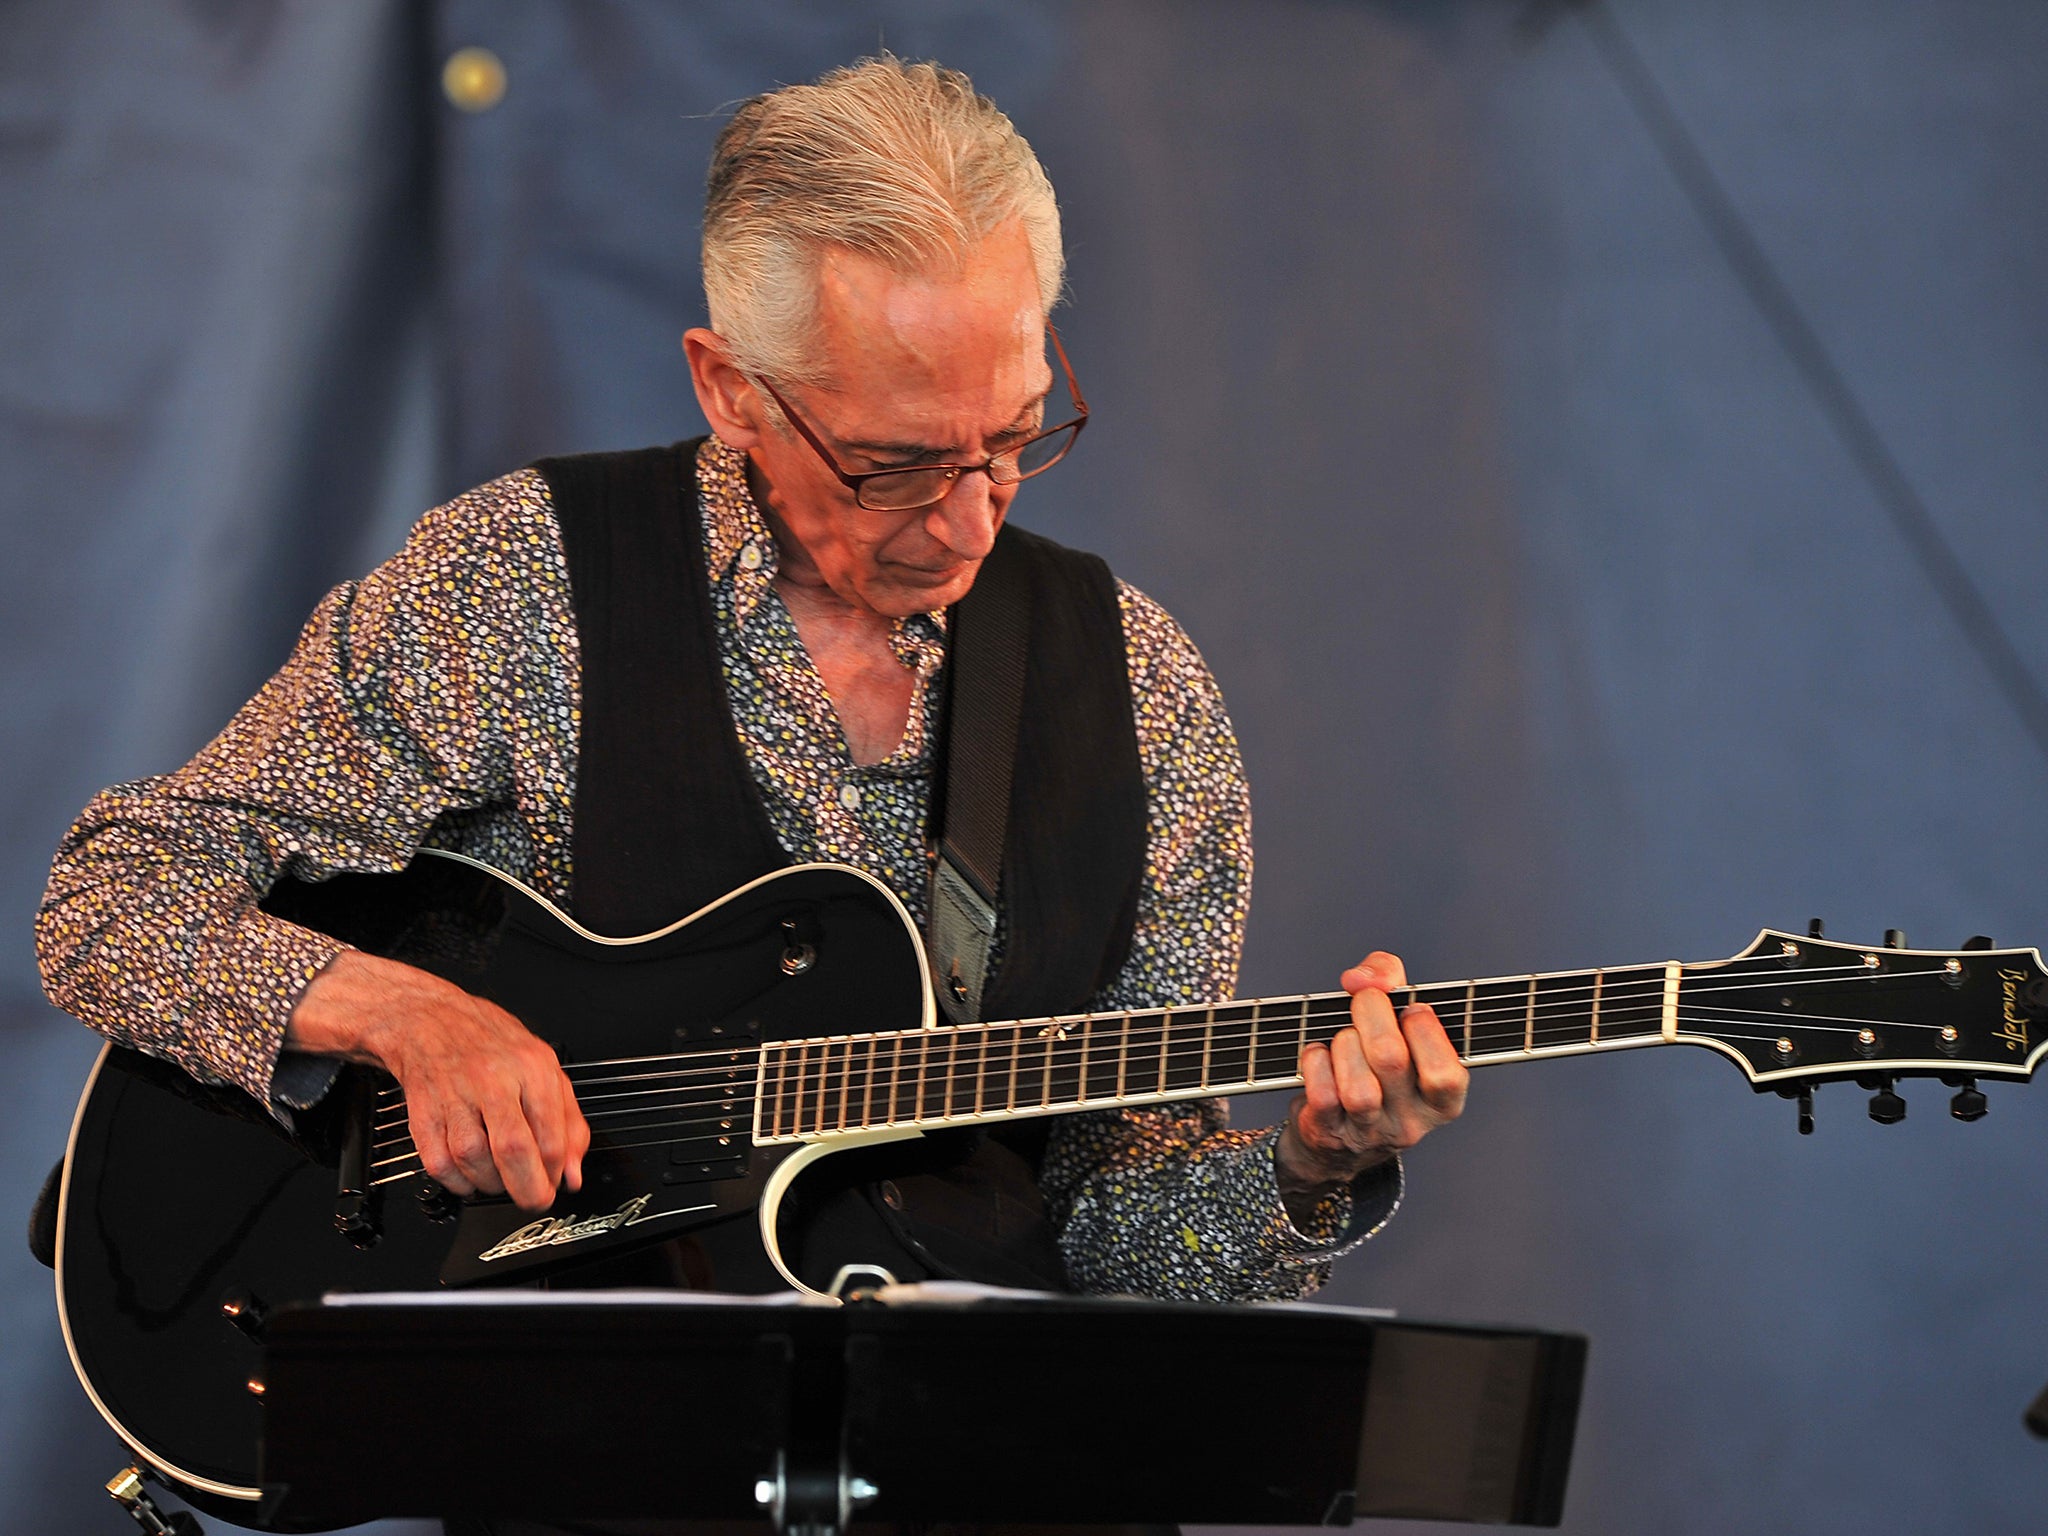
{"x":960,"y":342}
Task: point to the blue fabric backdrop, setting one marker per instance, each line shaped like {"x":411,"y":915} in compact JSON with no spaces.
{"x":1560,"y":622}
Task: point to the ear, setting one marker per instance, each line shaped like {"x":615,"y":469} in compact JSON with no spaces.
{"x":727,"y":397}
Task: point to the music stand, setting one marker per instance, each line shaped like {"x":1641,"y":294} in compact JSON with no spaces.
{"x":930,"y":1403}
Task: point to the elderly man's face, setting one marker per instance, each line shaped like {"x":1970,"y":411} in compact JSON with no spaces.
{"x":921,"y":371}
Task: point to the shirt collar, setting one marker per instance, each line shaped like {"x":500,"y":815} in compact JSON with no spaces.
{"x":738,"y":543}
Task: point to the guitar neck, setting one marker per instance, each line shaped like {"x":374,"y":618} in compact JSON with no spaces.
{"x":971,"y":1074}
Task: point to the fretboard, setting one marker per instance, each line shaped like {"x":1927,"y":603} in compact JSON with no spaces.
{"x":966,"y":1074}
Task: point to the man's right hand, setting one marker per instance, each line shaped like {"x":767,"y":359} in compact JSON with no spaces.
{"x":490,"y":1108}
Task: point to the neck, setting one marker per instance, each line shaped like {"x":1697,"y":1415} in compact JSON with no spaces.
{"x":978,"y":1073}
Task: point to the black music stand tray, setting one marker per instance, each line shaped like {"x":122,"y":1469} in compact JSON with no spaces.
{"x":932,"y":1403}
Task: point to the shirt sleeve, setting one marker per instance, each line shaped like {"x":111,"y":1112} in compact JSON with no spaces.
{"x":1169,"y":1200}
{"x":382,"y":721}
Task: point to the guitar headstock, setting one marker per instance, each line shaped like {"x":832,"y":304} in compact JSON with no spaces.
{"x":1798,"y":1009}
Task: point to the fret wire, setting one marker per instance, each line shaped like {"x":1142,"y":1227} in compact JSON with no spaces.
{"x":767,"y":1090}
{"x":1208,"y":1042}
{"x":867,"y":1088}
{"x":953,"y":1038}
{"x":824,"y":1079}
{"x":1123,"y":1055}
{"x":1165,"y":1028}
{"x":1081,"y":1081}
{"x":1471,"y":992}
{"x":1251,"y":1055}
{"x":793,"y":1086}
{"x":1594,"y":1036}
{"x":1016,"y":1064}
{"x":1304,"y":1031}
{"x":1529,"y":1025}
{"x":895,"y":1077}
{"x":980,"y":1070}
{"x":924,"y":1056}
{"x":845,"y":1075}
{"x":803,"y":1079}
{"x":822,"y":1060}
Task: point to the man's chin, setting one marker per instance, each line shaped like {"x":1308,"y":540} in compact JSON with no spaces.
{"x":914,"y":591}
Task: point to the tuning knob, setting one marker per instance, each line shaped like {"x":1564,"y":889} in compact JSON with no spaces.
{"x":1895,"y":938}
{"x":1806,"y":1110}
{"x":1815,"y":928}
{"x":1886,"y":1107}
{"x":1969,"y":1103}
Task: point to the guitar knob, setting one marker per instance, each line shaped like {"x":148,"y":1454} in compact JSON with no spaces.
{"x":1895,"y":938}
{"x":1886,"y":1107}
{"x":1815,"y":928}
{"x":437,"y":1203}
{"x":1969,"y":1103}
{"x":355,"y":1218}
{"x":1806,"y":1109}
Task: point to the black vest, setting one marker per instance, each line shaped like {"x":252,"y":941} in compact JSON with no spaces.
{"x":667,"y":818}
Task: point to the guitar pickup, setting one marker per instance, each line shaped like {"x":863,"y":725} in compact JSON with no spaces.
{"x":697,"y":1163}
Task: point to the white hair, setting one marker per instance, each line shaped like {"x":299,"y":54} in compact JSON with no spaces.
{"x":903,"y":163}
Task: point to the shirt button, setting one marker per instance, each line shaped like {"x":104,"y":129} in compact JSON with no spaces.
{"x":750,"y":558}
{"x":849,"y":796}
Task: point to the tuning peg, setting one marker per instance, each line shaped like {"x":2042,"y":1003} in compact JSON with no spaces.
{"x":1886,"y":1107}
{"x":1895,"y":938}
{"x":1969,"y":1103}
{"x":1815,"y":929}
{"x":1979,"y":941}
{"x":1803,"y":1092}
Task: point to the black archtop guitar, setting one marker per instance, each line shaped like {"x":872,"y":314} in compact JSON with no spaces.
{"x":718,"y":1058}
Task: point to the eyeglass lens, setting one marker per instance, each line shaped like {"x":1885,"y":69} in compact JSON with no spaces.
{"x":898,"y":490}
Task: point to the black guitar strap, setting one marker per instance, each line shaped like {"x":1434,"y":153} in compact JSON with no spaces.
{"x":988,"y":632}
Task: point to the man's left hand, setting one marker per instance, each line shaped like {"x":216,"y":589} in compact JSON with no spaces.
{"x":1378,"y":1088}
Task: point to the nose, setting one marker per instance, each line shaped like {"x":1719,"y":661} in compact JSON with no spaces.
{"x":966,"y":520}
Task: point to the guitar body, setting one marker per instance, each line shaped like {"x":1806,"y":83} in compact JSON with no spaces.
{"x":182,"y":1204}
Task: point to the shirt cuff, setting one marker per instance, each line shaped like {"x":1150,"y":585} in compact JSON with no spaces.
{"x":1342,"y":1219}
{"x":244,"y":1003}
{"x":302,"y":1080}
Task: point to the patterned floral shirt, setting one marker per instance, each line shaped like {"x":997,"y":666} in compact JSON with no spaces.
{"x":435,"y":703}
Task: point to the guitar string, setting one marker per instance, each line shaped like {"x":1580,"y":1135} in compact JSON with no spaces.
{"x":1228,"y":1034}
{"x":921,"y":1118}
{"x":933,"y":1100}
{"x":1139,"y":1025}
